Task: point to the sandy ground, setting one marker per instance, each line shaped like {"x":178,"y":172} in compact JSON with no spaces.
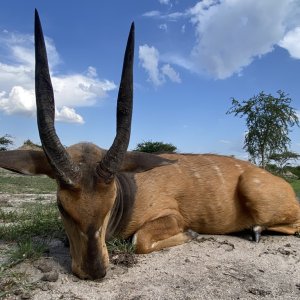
{"x":210,"y":267}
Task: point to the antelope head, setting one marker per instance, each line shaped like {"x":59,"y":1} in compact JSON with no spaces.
{"x":86,"y":181}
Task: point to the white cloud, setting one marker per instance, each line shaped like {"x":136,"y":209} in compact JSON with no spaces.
{"x":18,"y":101}
{"x":68,"y":115}
{"x":291,"y":42}
{"x":149,"y":59}
{"x":17,"y":81}
{"x":18,"y":48}
{"x":164,"y":1}
{"x":152,"y":13}
{"x":174,"y":16}
{"x":22,"y":101}
{"x":168,"y":71}
{"x":163,"y":27}
{"x":230,"y":33}
{"x":79,"y":90}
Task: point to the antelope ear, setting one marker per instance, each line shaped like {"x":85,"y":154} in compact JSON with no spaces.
{"x":141,"y":162}
{"x":27,"y":162}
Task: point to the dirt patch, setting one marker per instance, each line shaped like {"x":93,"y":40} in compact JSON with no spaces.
{"x":124,"y":259}
{"x":210,"y":267}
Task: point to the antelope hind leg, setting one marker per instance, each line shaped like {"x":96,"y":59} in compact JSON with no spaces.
{"x":161,"y":233}
{"x":287,"y":229}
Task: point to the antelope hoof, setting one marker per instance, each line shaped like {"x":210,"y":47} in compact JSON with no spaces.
{"x":256,"y":233}
{"x":192,"y":234}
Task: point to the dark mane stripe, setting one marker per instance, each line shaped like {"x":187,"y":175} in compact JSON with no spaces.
{"x":123,"y":206}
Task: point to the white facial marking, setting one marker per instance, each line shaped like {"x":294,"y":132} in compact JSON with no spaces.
{"x":256,"y":180}
{"x":134,"y":239}
{"x":83,"y":235}
{"x":97,"y":233}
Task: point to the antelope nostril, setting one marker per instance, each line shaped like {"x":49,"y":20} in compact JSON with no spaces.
{"x":94,"y":276}
{"x":89,"y":273}
{"x":97,"y":274}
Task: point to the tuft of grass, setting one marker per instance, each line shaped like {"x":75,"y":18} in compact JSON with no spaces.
{"x":117,"y":245}
{"x":34,"y":220}
{"x":20,"y":184}
{"x":28,"y":249}
{"x":7,"y":217}
{"x":31,"y":230}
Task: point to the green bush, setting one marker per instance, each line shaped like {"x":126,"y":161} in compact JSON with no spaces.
{"x":155,"y":147}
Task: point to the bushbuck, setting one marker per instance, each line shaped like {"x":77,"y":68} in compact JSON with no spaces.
{"x":154,"y":199}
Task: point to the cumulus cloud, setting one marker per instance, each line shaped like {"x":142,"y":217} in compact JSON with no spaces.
{"x":17,"y":94}
{"x":149,"y":59}
{"x":18,"y":101}
{"x":230,"y":34}
{"x":168,"y":71}
{"x":67,"y":114}
{"x":291,"y":42}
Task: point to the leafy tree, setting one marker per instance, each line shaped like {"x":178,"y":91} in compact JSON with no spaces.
{"x":155,"y":147}
{"x":28,"y":143}
{"x":268,"y":120}
{"x":282,"y":159}
{"x":5,"y":141}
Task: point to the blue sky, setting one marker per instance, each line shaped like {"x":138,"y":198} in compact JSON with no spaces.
{"x":191,"y":58}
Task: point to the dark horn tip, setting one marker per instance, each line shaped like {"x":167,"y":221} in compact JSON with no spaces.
{"x":36,"y":13}
{"x":37,"y":22}
{"x":132,"y":29}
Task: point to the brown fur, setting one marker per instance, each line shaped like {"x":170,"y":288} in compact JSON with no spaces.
{"x":173,"y":193}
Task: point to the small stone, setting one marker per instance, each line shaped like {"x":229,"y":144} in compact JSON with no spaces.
{"x":75,"y":279}
{"x":18,"y":292}
{"x":43,"y":266}
{"x":52,"y":277}
{"x":261,"y":270}
{"x":44,"y":287}
{"x":25,"y":296}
